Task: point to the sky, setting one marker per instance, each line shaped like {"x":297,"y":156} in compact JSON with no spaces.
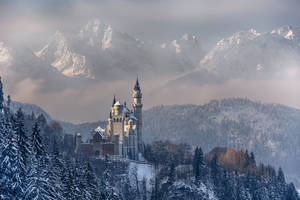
{"x":31,"y":23}
{"x":157,"y":20}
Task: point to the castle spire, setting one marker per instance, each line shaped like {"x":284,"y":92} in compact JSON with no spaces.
{"x":114,"y":101}
{"x":137,"y":85}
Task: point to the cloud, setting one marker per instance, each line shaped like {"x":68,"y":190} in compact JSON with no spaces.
{"x":31,"y":23}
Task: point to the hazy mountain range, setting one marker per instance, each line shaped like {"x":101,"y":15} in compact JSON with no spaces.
{"x":100,"y":52}
{"x":98,"y":58}
{"x":250,"y":55}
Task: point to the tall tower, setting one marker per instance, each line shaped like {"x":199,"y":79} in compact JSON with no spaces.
{"x":137,"y":109}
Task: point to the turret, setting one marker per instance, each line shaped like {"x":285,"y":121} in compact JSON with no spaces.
{"x":114,"y":101}
{"x":137,"y":109}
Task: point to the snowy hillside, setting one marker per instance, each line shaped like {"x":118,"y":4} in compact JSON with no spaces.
{"x":270,"y":131}
{"x":28,"y":109}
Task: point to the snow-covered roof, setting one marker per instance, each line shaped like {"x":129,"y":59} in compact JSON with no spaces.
{"x":118,"y":103}
{"x":125,"y":111}
{"x":132,"y":117}
{"x":100,"y":129}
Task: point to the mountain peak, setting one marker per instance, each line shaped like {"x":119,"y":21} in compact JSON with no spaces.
{"x":92,"y":26}
{"x":107,"y":38}
{"x":189,"y":37}
{"x":5,"y":56}
{"x":97,"y":34}
{"x":285,"y":31}
{"x":238,"y":38}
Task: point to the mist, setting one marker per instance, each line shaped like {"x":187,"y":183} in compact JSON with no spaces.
{"x":31,"y":24}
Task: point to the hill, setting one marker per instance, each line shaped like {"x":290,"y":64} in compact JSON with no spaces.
{"x":271,"y":131}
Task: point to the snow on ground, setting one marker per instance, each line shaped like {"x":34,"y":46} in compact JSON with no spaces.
{"x":298,"y":191}
{"x":143,"y":170}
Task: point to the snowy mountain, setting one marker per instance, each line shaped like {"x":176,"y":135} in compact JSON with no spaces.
{"x":60,"y":56}
{"x":99,"y":51}
{"x":23,"y":64}
{"x":185,"y":52}
{"x":289,"y":33}
{"x":188,"y":47}
{"x":5,"y":56}
{"x":249,"y":55}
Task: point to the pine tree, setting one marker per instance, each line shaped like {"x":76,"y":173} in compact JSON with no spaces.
{"x":280,"y":176}
{"x":67,"y":182}
{"x":155,"y":195}
{"x":91,"y":182}
{"x":39,"y":186}
{"x":56,"y":168}
{"x":1,"y":94}
{"x":32,"y":116}
{"x":23,"y":141}
{"x":171,"y":176}
{"x":128,"y":191}
{"x":196,"y":165}
{"x":144,"y":189}
{"x":215,"y":170}
{"x":36,"y":142}
{"x":11,"y":181}
{"x":8,"y":101}
{"x":201,"y":163}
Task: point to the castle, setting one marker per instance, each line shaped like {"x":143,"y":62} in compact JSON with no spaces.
{"x":123,"y":134}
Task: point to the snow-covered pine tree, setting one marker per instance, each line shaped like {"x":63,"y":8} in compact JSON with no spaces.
{"x":144,"y":189}
{"x":127,"y":190}
{"x":1,"y":94}
{"x":55,"y":172}
{"x":38,"y":184}
{"x":11,"y":182}
{"x":107,"y":192}
{"x":91,"y":183}
{"x":36,"y":143}
{"x":23,"y":142}
{"x":38,"y":187}
{"x":8,"y":101}
{"x":171,"y":175}
{"x":67,"y":182}
{"x":196,"y":165}
{"x":79,"y":183}
{"x":280,"y":176}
